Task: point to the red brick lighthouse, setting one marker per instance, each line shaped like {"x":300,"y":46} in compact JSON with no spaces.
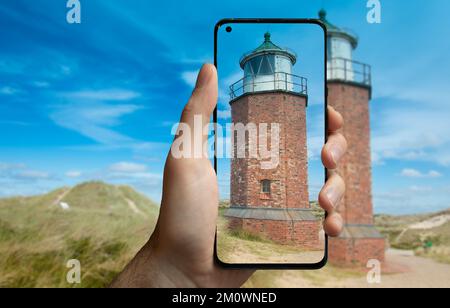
{"x":271,"y":202}
{"x":349,"y":91}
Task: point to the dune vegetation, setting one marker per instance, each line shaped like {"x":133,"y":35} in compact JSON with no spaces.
{"x":103,"y":229}
{"x":103,"y":226}
{"x":428,"y":235}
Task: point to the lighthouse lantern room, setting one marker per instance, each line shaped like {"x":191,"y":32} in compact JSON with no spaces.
{"x":268,"y":68}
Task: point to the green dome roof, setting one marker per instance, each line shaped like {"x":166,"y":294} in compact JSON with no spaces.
{"x":336,"y":31}
{"x":323,"y":18}
{"x":268,"y":47}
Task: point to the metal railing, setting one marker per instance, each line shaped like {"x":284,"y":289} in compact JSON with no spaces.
{"x":349,"y":70}
{"x":276,"y":81}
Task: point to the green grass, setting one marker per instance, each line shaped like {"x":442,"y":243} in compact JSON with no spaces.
{"x":317,"y":210}
{"x":440,"y":239}
{"x":37,"y":238}
{"x":100,"y":263}
{"x":393,"y":226}
{"x":440,"y":254}
{"x":247,"y":236}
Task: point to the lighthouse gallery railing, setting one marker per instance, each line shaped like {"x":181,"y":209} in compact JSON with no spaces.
{"x":349,"y":70}
{"x":278,"y":81}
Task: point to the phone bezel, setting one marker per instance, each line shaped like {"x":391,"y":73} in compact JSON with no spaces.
{"x":227,"y":21}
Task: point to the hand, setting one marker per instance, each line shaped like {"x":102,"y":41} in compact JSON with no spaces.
{"x":180,"y":253}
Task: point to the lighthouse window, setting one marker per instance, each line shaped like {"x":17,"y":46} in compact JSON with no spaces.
{"x":248,"y":71}
{"x":267,"y":65}
{"x":255,"y":64}
{"x":265,"y":186}
{"x":262,"y":65}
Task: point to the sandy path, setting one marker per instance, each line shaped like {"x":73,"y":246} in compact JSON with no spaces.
{"x":61,"y":197}
{"x":242,"y":256}
{"x":242,"y":251}
{"x":431,"y":223}
{"x":419,"y":273}
{"x":134,"y":207}
{"x":428,"y":224}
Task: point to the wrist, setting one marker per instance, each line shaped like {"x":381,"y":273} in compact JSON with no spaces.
{"x":151,"y":269}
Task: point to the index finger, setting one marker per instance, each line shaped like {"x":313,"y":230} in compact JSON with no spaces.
{"x":335,"y":120}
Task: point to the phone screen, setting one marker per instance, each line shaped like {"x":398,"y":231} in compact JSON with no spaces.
{"x":270,"y":130}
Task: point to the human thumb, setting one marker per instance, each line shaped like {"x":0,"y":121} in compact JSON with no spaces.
{"x":204,"y":97}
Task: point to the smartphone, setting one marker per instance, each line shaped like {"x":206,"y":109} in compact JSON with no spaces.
{"x":270,"y":127}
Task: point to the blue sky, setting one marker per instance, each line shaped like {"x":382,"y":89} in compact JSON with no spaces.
{"x":97,"y":100}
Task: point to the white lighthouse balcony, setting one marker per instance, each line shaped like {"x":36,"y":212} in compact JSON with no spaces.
{"x":343,"y":69}
{"x":278,"y":81}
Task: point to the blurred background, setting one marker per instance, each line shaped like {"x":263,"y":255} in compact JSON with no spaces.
{"x":86,"y":112}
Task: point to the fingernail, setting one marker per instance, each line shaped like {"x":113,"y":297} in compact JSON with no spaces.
{"x":336,"y":153}
{"x":203,"y":76}
{"x":332,"y":196}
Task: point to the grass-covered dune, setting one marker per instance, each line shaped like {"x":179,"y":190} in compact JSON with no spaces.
{"x":103,"y":228}
{"x":427,"y":235}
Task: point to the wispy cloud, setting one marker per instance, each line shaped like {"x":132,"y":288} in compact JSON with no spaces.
{"x":189,"y":77}
{"x":7,"y":90}
{"x":19,"y":179}
{"x":224,"y":88}
{"x":41,"y":84}
{"x":412,"y":199}
{"x":315,"y":144}
{"x":233,"y":78}
{"x":103,"y":95}
{"x":21,"y":172}
{"x":128,"y":167}
{"x":32,"y":175}
{"x":413,"y":173}
{"x":73,"y":174}
{"x":44,"y":64}
{"x":181,"y":58}
{"x":136,"y":175}
{"x":95,"y":121}
{"x":11,"y":166}
{"x":416,"y":188}
{"x":411,"y":134}
{"x":410,"y":116}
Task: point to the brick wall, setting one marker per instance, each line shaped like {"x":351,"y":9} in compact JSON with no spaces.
{"x":300,"y":233}
{"x":357,"y":252}
{"x":353,"y":103}
{"x":289,"y":186}
{"x":356,"y":208}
